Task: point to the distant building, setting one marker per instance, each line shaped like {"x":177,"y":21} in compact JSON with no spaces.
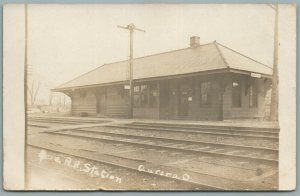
{"x":201,"y":82}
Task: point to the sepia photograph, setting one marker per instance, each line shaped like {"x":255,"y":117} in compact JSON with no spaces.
{"x":149,"y":97}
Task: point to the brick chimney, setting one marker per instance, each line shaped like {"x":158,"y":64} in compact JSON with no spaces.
{"x":194,"y":41}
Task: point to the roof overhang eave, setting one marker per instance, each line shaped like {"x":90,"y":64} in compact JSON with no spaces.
{"x":217,"y":71}
{"x":249,"y":73}
{"x":223,"y":70}
{"x":87,"y":86}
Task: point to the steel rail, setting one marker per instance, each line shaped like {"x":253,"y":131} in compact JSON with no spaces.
{"x":197,"y":126}
{"x":209,"y":127}
{"x":66,"y":120}
{"x":204,"y":132}
{"x":179,"y":141}
{"x":240,"y":157}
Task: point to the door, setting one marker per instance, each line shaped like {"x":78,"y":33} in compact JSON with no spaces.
{"x":164,"y":100}
{"x":183,"y":102}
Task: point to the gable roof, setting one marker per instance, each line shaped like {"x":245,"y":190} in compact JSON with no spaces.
{"x":208,"y":57}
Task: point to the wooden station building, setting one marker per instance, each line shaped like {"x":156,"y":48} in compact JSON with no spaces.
{"x":201,"y":82}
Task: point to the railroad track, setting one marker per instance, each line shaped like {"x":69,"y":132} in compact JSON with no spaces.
{"x":222,"y":151}
{"x":206,"y":126}
{"x":64,"y":120}
{"x":39,"y":126}
{"x":269,"y":155}
{"x":253,"y":154}
{"x":195,"y":180}
{"x":248,"y":134}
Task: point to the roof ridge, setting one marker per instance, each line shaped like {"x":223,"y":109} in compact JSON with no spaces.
{"x":221,"y":54}
{"x":170,"y":51}
{"x":217,"y":43}
{"x":146,"y":56}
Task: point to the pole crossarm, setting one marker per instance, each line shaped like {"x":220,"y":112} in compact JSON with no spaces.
{"x":272,"y":6}
{"x":131,"y":27}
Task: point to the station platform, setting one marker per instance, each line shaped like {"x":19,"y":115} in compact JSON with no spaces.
{"x":251,"y":123}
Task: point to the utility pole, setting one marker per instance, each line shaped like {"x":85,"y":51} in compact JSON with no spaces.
{"x":131,"y":27}
{"x":26,"y":176}
{"x":274,"y":94}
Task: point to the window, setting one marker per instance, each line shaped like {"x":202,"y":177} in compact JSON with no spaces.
{"x":146,"y":95}
{"x":236,"y":93}
{"x":136,"y":96}
{"x":252,"y":96}
{"x":136,"y":89}
{"x":205,"y":93}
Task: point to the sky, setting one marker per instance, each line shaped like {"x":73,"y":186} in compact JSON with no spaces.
{"x":65,"y":41}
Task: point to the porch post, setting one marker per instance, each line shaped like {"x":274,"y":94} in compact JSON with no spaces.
{"x":105,"y":100}
{"x":158,"y":99}
{"x":95,"y":93}
{"x":223,"y":81}
{"x":221,"y":109}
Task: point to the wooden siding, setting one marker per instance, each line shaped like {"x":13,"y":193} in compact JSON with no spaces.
{"x":116,"y":102}
{"x":169,"y":107}
{"x":151,"y":113}
{"x":84,"y":102}
{"x":198,"y":112}
{"x":245,"y":111}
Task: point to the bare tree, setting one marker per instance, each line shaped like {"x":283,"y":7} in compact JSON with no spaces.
{"x":33,"y":90}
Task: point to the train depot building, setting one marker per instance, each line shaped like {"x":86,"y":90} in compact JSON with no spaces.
{"x":201,"y":82}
